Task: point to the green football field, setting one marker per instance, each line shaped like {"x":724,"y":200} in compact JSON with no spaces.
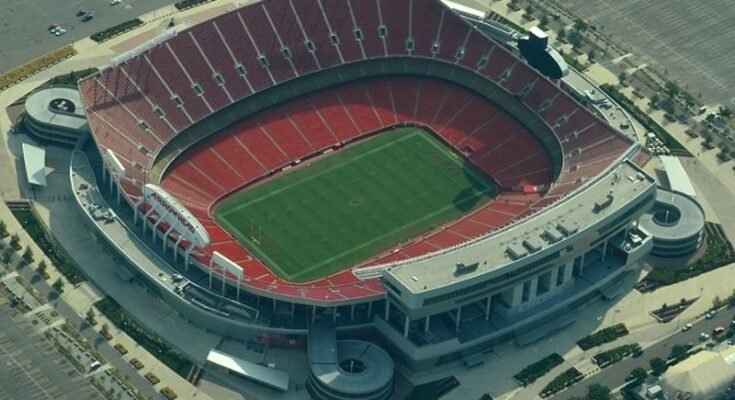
{"x":353,"y":204}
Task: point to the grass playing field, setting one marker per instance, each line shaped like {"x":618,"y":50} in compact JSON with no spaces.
{"x":345,"y":208}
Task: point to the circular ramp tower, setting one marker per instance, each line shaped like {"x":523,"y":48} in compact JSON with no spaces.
{"x":346,"y":369}
{"x":676,"y":222}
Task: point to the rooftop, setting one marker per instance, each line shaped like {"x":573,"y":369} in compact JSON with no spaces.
{"x":610,"y":193}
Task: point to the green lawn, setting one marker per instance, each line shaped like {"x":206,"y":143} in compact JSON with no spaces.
{"x":352,"y":205}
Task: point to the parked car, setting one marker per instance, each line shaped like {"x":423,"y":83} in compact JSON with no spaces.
{"x":56,"y":30}
{"x":686,"y":327}
{"x":718,"y":331}
{"x":704,"y":336}
{"x":115,"y":2}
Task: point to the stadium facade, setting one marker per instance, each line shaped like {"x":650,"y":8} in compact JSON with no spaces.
{"x":193,"y":116}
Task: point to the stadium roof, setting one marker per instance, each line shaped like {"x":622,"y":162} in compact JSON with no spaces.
{"x":625,"y":182}
{"x":265,"y":375}
{"x":678,"y":178}
{"x":34,"y":158}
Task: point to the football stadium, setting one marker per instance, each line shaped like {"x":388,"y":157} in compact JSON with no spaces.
{"x":333,"y":169}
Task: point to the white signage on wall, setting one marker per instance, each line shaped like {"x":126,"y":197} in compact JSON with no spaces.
{"x":175,"y":214}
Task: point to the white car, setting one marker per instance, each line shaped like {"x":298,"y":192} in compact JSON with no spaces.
{"x":703,"y":336}
{"x":686,"y":327}
{"x":58,"y":31}
{"x":115,"y":2}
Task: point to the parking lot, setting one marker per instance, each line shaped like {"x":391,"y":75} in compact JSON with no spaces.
{"x":30,"y":367}
{"x":692,"y":40}
{"x":24,"y":24}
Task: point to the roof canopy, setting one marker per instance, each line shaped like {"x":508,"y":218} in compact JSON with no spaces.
{"x":267,"y":376}
{"x":34,"y":158}
{"x":678,"y":178}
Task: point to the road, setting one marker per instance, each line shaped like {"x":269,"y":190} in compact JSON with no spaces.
{"x":94,"y":338}
{"x":614,"y":376}
{"x":24,"y":24}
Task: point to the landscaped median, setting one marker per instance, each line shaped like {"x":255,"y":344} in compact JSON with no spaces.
{"x":116,"y":30}
{"x":186,"y":4}
{"x":561,"y":382}
{"x":610,"y":357}
{"x":26,"y":70}
{"x":149,"y":341}
{"x":35,"y":228}
{"x":538,"y":369}
{"x":602,"y":336}
{"x":643,"y":118}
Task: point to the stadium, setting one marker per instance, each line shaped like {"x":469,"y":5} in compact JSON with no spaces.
{"x":361,"y":166}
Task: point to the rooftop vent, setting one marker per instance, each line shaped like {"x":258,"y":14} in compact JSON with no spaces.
{"x":553,"y":235}
{"x":516,"y":251}
{"x":462,"y":268}
{"x":603,"y":203}
{"x":532,"y":244}
{"x":567,"y":228}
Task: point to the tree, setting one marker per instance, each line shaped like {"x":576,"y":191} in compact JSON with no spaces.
{"x":6,"y":257}
{"x":717,"y":302}
{"x":42,"y":268}
{"x":90,"y":314}
{"x":529,"y":10}
{"x":561,"y":35}
{"x":622,"y":77}
{"x":15,"y":241}
{"x":105,"y":327}
{"x":678,"y":351}
{"x":58,"y":285}
{"x":28,"y":254}
{"x":3,"y":229}
{"x":544,"y":20}
{"x":724,"y":112}
{"x":591,"y":55}
{"x":580,"y":25}
{"x":658,"y":366}
{"x":655,"y":99}
{"x":672,"y":89}
{"x":598,"y":392}
{"x":638,"y":374}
